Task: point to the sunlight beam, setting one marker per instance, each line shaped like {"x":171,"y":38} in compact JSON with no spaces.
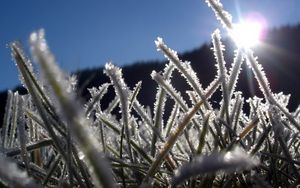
{"x":247,"y":34}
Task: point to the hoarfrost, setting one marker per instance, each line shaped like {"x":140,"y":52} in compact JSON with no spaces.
{"x":184,"y":68}
{"x":231,"y":161}
{"x":13,"y":176}
{"x":235,"y":71}
{"x":223,"y":16}
{"x":170,"y":89}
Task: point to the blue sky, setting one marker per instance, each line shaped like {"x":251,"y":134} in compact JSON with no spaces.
{"x":89,"y":33}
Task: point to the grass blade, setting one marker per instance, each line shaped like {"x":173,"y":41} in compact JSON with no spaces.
{"x":185,"y":69}
{"x":70,"y":111}
{"x":171,"y":141}
{"x":231,"y":161}
{"x":15,"y":177}
{"x":6,"y":119}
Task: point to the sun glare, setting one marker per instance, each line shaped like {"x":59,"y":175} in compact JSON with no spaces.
{"x":247,"y":34}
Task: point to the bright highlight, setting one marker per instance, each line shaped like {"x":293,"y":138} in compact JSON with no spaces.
{"x":247,"y":34}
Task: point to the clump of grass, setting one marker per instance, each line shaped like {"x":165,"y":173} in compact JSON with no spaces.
{"x":48,"y":138}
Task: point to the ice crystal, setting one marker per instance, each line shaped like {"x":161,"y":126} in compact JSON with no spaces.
{"x":18,"y":51}
{"x":282,"y":99}
{"x":170,"y":89}
{"x":142,"y":113}
{"x":61,"y":142}
{"x":172,"y":120}
{"x":223,"y":16}
{"x":42,"y":54}
{"x":6,"y":119}
{"x":222,"y":71}
{"x":159,"y":105}
{"x":218,"y":48}
{"x":96,"y":96}
{"x":15,"y":177}
{"x":183,"y":67}
{"x":259,"y":75}
{"x":115,"y":74}
{"x":235,"y":71}
{"x":72,"y":79}
{"x":231,"y":161}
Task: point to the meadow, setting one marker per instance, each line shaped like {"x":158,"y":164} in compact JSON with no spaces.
{"x":50,"y":138}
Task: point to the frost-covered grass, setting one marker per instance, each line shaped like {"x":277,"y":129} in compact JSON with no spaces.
{"x":48,"y":138}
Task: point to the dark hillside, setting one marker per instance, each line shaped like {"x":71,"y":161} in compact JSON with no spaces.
{"x":279,"y":55}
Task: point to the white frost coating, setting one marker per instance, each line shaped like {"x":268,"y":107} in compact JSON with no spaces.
{"x":223,"y":16}
{"x":112,"y":105}
{"x":143,"y":113}
{"x":282,"y":99}
{"x":13,"y":176}
{"x":235,"y":71}
{"x":260,"y":75}
{"x":116,"y":77}
{"x":110,"y":134}
{"x":96,"y":96}
{"x":222,"y":71}
{"x":101,"y":90}
{"x":28,"y":64}
{"x":238,"y":155}
{"x":231,"y":161}
{"x":218,"y":48}
{"x":106,"y":128}
{"x":123,"y":93}
{"x":257,"y":107}
{"x":72,"y":83}
{"x":184,"y":68}
{"x":168,"y":52}
{"x":160,"y":100}
{"x":44,"y":57}
{"x":15,"y":115}
{"x":169,"y":89}
{"x":7,"y":119}
{"x":71,"y":110}
{"x":212,"y":87}
{"x":38,"y":43}
{"x":159,"y":42}
{"x":173,"y":118}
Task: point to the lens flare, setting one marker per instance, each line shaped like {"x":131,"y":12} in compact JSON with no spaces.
{"x":247,"y":34}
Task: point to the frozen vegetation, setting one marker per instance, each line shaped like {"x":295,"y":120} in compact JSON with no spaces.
{"x":48,"y":138}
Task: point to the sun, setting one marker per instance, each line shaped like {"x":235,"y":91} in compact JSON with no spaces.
{"x":247,"y":34}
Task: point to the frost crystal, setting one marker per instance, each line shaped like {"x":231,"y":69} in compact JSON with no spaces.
{"x":51,"y":135}
{"x":259,"y":75}
{"x":223,"y":16}
{"x":184,"y":68}
{"x":235,"y":71}
{"x":170,"y":90}
{"x":231,"y":161}
{"x":218,"y":52}
{"x":17,"y":50}
{"x":13,"y":176}
{"x":115,"y":74}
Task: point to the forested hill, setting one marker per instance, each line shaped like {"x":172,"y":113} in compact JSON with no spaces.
{"x":279,"y":55}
